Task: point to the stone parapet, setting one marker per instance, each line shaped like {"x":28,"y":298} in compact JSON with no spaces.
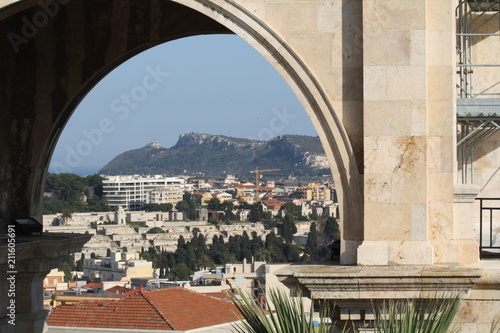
{"x":355,"y":291}
{"x":380,"y":282}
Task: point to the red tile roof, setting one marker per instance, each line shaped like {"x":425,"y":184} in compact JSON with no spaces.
{"x":227,"y":295}
{"x":93,"y":285}
{"x":174,"y":308}
{"x":118,"y":290}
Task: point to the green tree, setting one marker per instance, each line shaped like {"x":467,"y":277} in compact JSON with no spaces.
{"x":156,"y":230}
{"x":53,"y":299}
{"x":66,"y":216}
{"x":332,"y":230}
{"x":256,"y":246}
{"x":228,"y":207}
{"x":292,"y":209}
{"x":65,"y":267}
{"x":181,"y":243}
{"x":69,"y":192}
{"x":288,"y":228}
{"x":256,"y":212}
{"x":213,"y":221}
{"x":204,"y":261}
{"x":79,"y":263}
{"x":154,"y":207}
{"x":214,"y":204}
{"x":187,"y":205}
{"x":269,"y":220}
{"x":181,"y":272}
{"x":312,"y":240}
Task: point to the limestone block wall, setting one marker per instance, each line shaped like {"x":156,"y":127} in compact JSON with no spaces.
{"x":70,"y":229}
{"x":134,"y":244}
{"x":409,"y":59}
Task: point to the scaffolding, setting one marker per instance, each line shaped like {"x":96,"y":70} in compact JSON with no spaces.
{"x":478,"y":118}
{"x":473,"y":16}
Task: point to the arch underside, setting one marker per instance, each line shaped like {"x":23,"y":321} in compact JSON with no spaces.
{"x":48,"y":65}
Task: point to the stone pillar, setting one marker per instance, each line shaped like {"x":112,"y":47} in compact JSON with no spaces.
{"x":409,"y":113}
{"x":30,"y":314}
{"x":25,"y":289}
{"x":395,"y":127}
{"x":463,"y":226}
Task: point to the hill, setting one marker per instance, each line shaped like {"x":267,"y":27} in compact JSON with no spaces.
{"x":217,"y":155}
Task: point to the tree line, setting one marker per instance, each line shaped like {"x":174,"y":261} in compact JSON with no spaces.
{"x":195,"y":254}
{"x":66,"y":192}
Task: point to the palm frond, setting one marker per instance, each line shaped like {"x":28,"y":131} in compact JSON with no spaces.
{"x":290,"y":315}
{"x":433,"y":315}
{"x":495,"y":326}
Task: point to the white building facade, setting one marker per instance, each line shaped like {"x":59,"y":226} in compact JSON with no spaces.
{"x":133,"y":191}
{"x":165,"y":195}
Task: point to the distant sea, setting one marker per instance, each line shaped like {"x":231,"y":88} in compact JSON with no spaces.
{"x":80,"y":171}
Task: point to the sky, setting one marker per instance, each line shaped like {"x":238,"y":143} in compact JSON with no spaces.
{"x":213,"y":84}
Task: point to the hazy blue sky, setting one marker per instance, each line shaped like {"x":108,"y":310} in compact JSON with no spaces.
{"x":207,"y":84}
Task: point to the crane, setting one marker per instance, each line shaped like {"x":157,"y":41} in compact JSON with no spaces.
{"x":257,"y":171}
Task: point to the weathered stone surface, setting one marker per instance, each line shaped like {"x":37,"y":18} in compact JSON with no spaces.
{"x":372,"y":282}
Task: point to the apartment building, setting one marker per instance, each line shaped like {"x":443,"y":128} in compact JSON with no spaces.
{"x":133,"y":191}
{"x":118,"y":267}
{"x":163,"y":195}
{"x":245,"y":276}
{"x":314,"y":192}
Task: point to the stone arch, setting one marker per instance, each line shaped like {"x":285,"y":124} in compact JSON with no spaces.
{"x":56,"y":52}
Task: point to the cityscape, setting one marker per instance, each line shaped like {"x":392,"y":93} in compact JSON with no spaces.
{"x":236,"y":229}
{"x":324,"y":166}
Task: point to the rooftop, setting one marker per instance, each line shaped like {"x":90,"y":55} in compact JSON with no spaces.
{"x":173,"y":308}
{"x":119,"y":290}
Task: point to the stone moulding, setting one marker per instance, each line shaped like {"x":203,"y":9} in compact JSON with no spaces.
{"x":36,"y":254}
{"x":380,"y":282}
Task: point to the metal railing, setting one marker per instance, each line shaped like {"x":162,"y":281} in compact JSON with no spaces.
{"x":489,"y":246}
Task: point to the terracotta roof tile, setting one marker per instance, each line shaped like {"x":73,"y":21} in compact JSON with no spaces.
{"x":167,"y":309}
{"x":225,"y":295}
{"x":92,"y":285}
{"x":118,"y":290}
